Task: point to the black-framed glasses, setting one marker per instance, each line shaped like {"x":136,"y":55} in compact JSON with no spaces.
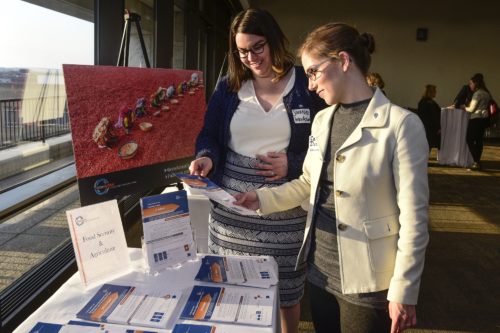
{"x":256,"y":49}
{"x":313,"y":73}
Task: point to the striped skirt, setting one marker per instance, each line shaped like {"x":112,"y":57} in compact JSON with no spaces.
{"x":278,"y":235}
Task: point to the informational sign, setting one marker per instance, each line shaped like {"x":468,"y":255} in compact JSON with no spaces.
{"x":99,"y":242}
{"x":132,"y":128}
{"x":168,"y":236}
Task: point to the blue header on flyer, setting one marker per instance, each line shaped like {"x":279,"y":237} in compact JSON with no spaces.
{"x":42,"y":327}
{"x":104,"y":302}
{"x":212,"y":269}
{"x":201,"y":303}
{"x":197,"y":181}
{"x":164,"y":205}
{"x":192,"y":328}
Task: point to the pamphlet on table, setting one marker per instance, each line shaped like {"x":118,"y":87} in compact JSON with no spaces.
{"x":75,"y":326}
{"x":130,"y":305}
{"x":237,"y":305}
{"x":204,"y":186}
{"x":248,"y":271}
{"x":168,"y":236}
{"x":99,"y":242}
{"x":196,"y":328}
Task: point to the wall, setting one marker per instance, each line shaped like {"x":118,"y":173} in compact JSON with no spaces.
{"x":459,"y":44}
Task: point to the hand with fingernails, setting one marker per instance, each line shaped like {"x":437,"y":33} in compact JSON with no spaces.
{"x":273,"y":166}
{"x":403,"y":316}
{"x":201,"y":166}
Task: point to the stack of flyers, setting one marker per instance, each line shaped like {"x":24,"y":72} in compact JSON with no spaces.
{"x":42,"y":327}
{"x":128,"y":305}
{"x":75,"y":326}
{"x":203,"y":186}
{"x":247,"y":271}
{"x":195,"y":328}
{"x":238,"y":305}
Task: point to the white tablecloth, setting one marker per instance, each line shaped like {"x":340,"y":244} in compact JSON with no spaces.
{"x":454,"y":150}
{"x":71,"y":297}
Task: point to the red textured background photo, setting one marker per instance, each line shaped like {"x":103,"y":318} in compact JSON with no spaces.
{"x":95,"y":92}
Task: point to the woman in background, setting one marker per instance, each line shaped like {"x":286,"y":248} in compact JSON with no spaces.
{"x":430,"y":113}
{"x":255,"y":135}
{"x":478,"y":108}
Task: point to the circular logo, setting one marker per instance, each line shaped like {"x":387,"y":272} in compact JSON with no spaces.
{"x":79,"y":220}
{"x":101,"y":186}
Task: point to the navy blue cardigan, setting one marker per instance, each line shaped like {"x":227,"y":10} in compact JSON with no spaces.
{"x":214,"y":137}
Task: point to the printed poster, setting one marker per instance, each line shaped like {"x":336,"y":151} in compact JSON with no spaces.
{"x":132,"y":128}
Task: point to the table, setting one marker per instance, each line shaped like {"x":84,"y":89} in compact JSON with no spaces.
{"x":71,"y":297}
{"x":454,"y":150}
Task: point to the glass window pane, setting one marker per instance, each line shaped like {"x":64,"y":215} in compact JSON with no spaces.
{"x":144,"y":8}
{"x":179,"y":36}
{"x":33,"y":108}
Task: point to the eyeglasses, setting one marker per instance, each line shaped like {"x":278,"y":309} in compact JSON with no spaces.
{"x":313,"y":73}
{"x":256,"y":49}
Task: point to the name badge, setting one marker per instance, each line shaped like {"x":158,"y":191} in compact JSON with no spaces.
{"x":301,"y":116}
{"x":313,"y":145}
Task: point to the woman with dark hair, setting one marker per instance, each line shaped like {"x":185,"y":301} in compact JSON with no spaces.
{"x":365,"y":178}
{"x":478,"y":108}
{"x":255,"y":135}
{"x":430,"y":113}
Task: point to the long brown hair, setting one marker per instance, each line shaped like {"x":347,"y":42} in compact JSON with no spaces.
{"x":332,"y":38}
{"x":261,"y":23}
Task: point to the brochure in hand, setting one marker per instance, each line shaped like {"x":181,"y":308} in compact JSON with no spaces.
{"x":168,"y":236}
{"x":238,"y":305}
{"x":247,"y":271}
{"x":128,"y":305}
{"x":203,"y":186}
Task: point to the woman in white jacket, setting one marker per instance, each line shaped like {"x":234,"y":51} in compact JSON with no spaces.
{"x":365,"y":184}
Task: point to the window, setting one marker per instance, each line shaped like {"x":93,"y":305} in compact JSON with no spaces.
{"x":144,"y":8}
{"x":34,"y":119}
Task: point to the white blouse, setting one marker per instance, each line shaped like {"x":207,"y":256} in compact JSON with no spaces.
{"x":255,"y":131}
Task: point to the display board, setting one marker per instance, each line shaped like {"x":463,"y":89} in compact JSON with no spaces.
{"x":132,"y":128}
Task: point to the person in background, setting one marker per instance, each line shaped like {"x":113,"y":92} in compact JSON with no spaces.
{"x":255,"y":135}
{"x":463,"y":97}
{"x":365,"y":181}
{"x":430,"y":113}
{"x":478,"y":122}
{"x":375,"y":80}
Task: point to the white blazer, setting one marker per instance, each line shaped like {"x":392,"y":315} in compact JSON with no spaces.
{"x":381,"y":199}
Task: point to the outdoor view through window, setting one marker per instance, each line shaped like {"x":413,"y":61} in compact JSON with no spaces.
{"x":34,"y":126}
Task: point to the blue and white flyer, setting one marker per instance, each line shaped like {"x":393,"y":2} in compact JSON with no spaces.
{"x":204,"y":186}
{"x":219,"y":328}
{"x":238,"y":305}
{"x":99,"y":242}
{"x":75,"y":326}
{"x":168,"y":236}
{"x":129,"y":305}
{"x":247,"y":271}
{"x":42,"y":327}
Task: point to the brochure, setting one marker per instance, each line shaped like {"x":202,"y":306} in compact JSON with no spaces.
{"x":203,"y":186}
{"x":248,"y":271}
{"x":194,"y":328}
{"x":75,"y":326}
{"x":42,"y":327}
{"x":239,"y":305}
{"x":99,"y":242}
{"x":129,"y":305}
{"x":168,"y":237}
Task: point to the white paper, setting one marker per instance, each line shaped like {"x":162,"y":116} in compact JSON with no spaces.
{"x":249,"y":271}
{"x":168,"y":236}
{"x":99,"y":242}
{"x":203,"y":186}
